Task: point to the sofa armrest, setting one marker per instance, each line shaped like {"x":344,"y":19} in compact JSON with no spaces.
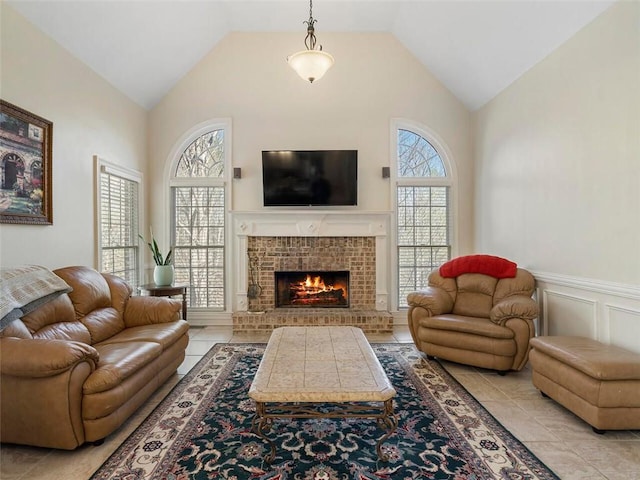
{"x":36,"y":358}
{"x":516,"y":306}
{"x":149,"y":310}
{"x":436,"y":300}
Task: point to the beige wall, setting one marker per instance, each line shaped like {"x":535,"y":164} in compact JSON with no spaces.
{"x":374,"y":79}
{"x":558,"y":180}
{"x":558,"y":157}
{"x":89,"y":117}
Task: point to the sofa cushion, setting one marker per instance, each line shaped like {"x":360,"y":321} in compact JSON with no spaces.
{"x":56,"y":320}
{"x":522,"y":284}
{"x":446,"y":284}
{"x":103,"y":324}
{"x":149,"y":310}
{"x":117,"y":362}
{"x":90,"y":289}
{"x":460,"y":323}
{"x":475,"y":295}
{"x":91,"y":297}
{"x":166,"y":334}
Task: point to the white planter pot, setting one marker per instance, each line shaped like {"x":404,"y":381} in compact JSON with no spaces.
{"x":163,"y":275}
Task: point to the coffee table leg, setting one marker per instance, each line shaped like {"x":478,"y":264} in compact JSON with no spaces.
{"x":261,"y":424}
{"x":389,"y":421}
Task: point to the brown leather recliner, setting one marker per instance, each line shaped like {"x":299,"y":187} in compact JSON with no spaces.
{"x":475,"y":318}
{"x":77,"y":367}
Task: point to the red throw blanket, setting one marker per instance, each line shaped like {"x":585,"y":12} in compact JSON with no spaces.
{"x":486,"y":264}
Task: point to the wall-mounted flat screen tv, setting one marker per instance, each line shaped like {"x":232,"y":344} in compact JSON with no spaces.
{"x":310,"y":177}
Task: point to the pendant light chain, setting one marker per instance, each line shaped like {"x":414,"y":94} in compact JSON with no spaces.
{"x":310,"y":39}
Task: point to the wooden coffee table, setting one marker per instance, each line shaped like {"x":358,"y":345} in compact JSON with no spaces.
{"x":321,"y":372}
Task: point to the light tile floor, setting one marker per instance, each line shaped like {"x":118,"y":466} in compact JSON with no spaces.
{"x":559,"y":438}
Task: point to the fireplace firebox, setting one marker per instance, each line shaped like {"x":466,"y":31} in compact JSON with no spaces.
{"x":312,"y":289}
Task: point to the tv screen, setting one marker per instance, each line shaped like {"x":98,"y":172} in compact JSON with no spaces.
{"x":310,"y":177}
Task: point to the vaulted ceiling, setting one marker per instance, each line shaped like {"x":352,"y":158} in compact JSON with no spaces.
{"x":476,"y":48}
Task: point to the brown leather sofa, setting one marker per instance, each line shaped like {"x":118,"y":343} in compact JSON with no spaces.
{"x":475,"y":318}
{"x":74,"y":369}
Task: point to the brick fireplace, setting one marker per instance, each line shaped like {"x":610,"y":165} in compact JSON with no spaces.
{"x":309,"y":242}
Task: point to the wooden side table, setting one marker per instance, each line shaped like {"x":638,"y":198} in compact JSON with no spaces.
{"x":154,"y":290}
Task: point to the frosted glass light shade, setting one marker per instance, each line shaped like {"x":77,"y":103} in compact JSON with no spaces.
{"x":311,"y":64}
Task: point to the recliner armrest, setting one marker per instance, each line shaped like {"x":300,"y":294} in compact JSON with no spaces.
{"x":37,"y":358}
{"x":516,"y":306}
{"x":150,"y":310}
{"x":436,"y":300}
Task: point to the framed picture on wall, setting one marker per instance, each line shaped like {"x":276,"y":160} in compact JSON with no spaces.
{"x":25,"y":167}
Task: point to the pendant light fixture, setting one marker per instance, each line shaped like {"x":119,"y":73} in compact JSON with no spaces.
{"x":310,"y":64}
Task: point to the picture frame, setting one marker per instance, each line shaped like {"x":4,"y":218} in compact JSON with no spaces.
{"x":25,"y":167}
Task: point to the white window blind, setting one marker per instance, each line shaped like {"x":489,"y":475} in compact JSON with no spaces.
{"x":118,"y":225}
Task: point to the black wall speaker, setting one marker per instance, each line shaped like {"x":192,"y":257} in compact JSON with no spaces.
{"x":386,"y":172}
{"x":237,"y":172}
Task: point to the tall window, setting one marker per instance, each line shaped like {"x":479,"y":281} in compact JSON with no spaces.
{"x":118,"y":220}
{"x":423,"y":207}
{"x":198,"y":195}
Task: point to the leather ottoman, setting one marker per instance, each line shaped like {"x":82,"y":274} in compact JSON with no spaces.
{"x":600,"y":383}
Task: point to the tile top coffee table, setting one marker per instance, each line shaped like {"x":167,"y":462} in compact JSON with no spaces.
{"x":321,"y":372}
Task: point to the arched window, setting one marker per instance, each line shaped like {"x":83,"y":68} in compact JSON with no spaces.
{"x":198,"y":216}
{"x":423,"y":204}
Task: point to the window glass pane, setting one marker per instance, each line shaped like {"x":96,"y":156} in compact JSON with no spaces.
{"x":216,"y":257}
{"x":438,"y":216}
{"x":405,"y":215}
{"x":439,"y":196}
{"x":417,"y":157}
{"x":203,"y":158}
{"x":422,"y":197}
{"x":199,"y":216}
{"x":406,"y":257}
{"x":406,"y":236}
{"x":422,"y":236}
{"x":422,"y":216}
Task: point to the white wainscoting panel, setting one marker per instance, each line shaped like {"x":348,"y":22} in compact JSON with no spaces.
{"x":624,"y":326}
{"x":569,"y":314}
{"x":605,"y":311}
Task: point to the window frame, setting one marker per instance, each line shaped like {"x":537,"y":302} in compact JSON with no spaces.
{"x":225,"y":181}
{"x":450,"y":181}
{"x":103,"y":166}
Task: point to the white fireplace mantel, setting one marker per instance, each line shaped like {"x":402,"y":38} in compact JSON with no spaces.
{"x":304,"y":223}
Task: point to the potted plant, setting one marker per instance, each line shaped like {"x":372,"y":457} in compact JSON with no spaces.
{"x":163,"y":271}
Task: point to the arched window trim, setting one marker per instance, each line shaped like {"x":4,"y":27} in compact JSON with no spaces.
{"x":435,"y":140}
{"x":187,"y":139}
{"x":224,"y":181}
{"x":451,"y":180}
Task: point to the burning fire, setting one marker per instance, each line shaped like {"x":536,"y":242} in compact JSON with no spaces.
{"x":315,"y":287}
{"x":316,"y":284}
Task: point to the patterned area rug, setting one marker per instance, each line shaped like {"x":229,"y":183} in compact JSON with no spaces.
{"x":203,"y":430}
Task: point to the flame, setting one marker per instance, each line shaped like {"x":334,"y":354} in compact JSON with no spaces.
{"x":315,"y":284}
